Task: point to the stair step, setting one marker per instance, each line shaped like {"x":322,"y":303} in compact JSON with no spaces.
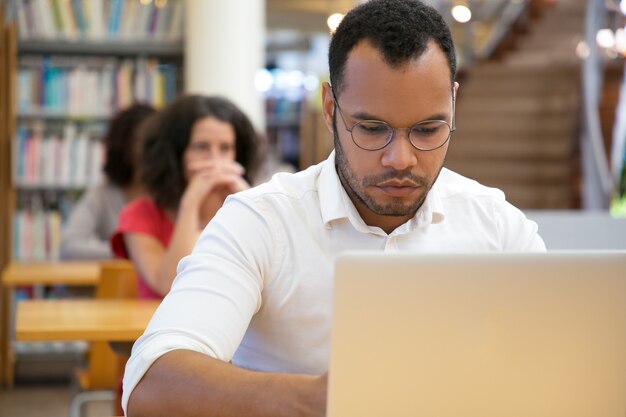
{"x":542,"y":58}
{"x":522,"y":129}
{"x":524,"y":106}
{"x":538,"y":196}
{"x":570,"y":22}
{"x":467,"y":147}
{"x":547,"y":43}
{"x":496,"y":69}
{"x":565,"y":8}
{"x":502,"y":86}
{"x":512,"y":170}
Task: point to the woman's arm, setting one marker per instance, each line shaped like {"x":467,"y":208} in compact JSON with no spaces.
{"x":202,"y":198}
{"x":156,"y":263}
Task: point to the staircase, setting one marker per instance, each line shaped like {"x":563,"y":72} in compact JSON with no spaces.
{"x":518,"y":118}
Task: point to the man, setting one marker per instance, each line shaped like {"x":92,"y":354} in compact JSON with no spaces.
{"x":256,"y":290}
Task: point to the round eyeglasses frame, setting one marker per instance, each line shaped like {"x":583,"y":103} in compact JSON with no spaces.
{"x":451,"y":128}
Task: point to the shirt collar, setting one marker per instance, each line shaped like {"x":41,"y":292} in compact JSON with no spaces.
{"x":331,"y":192}
{"x":335,"y":203}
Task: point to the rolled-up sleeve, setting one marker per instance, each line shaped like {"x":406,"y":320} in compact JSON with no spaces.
{"x":216,"y":292}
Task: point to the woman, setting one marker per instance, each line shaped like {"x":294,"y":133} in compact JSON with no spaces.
{"x":94,"y":218}
{"x":196,"y":152}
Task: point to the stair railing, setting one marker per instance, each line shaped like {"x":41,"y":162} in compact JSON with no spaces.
{"x":599,"y":184}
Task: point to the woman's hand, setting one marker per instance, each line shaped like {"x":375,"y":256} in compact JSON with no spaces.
{"x":212,"y":181}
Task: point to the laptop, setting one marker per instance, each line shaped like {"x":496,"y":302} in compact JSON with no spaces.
{"x":506,"y":335}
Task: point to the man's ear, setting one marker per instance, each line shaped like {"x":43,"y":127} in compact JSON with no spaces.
{"x":455,"y":89}
{"x":328,"y":105}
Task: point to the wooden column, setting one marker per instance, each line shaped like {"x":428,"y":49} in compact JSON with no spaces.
{"x":8,"y":68}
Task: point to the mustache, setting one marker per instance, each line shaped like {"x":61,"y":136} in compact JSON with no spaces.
{"x":392,"y":174}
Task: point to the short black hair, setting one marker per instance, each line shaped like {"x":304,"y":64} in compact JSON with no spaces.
{"x":399,"y":29}
{"x":168,"y":133}
{"x":120,"y":142}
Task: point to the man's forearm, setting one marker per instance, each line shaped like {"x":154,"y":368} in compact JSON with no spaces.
{"x":188,"y":384}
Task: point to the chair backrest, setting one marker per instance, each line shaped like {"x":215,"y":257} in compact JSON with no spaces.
{"x":117,"y":280}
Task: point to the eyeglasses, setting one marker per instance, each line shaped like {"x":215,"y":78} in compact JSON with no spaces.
{"x":373,"y":135}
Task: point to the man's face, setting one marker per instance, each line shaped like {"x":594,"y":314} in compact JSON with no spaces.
{"x":387,"y":186}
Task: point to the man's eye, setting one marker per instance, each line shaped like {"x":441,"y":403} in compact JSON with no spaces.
{"x":425,"y":130}
{"x":373,"y":128}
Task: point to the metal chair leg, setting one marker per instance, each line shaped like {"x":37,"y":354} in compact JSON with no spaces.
{"x":83,"y":397}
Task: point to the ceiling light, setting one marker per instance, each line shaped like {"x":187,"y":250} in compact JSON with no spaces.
{"x":605,"y":38}
{"x":334,"y":20}
{"x":263,"y":80}
{"x":582,"y":50}
{"x":461,"y":13}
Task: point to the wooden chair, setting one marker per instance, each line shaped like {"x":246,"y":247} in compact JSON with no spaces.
{"x":99,"y":380}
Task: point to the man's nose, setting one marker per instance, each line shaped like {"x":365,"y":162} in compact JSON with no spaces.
{"x":400,"y":153}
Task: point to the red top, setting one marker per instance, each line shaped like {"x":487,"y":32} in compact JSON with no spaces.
{"x":142,"y":216}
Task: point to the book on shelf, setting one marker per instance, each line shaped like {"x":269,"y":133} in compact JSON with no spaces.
{"x":79,"y":16}
{"x":129,"y":19}
{"x":99,"y":19}
{"x":162,"y":20}
{"x":66,"y":157}
{"x":57,"y":18}
{"x":176,"y":22}
{"x":39,"y":234}
{"x":57,"y":84}
{"x":80,"y":62}
{"x":43,"y":26}
{"x":37,"y":223}
{"x":69,"y":28}
{"x":114,"y":16}
{"x":96,"y":26}
{"x":67,"y":143}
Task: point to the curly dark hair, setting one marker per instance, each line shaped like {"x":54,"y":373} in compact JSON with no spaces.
{"x":120,"y":141}
{"x":167,"y":135}
{"x":399,"y":29}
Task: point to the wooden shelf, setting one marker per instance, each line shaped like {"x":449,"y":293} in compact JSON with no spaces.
{"x":62,"y":115}
{"x":50,"y":187}
{"x":115,"y":47}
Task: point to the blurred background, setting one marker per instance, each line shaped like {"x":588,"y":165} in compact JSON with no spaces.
{"x":541,"y":112}
{"x":538,"y":112}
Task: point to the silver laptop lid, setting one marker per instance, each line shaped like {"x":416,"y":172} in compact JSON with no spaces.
{"x":515,"y":335}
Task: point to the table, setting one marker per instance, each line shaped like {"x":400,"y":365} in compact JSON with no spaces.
{"x":116,"y":321}
{"x":112,"y":320}
{"x":18,"y":274}
{"x":50,"y":273}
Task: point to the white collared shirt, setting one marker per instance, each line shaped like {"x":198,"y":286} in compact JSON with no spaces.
{"x":257,"y":287}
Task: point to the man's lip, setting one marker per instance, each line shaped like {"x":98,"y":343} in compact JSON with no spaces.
{"x":398,"y":190}
{"x":398,"y":184}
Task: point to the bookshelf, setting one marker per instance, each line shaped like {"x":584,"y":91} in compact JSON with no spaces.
{"x":296,"y":131}
{"x":67,"y":67}
{"x":296,"y":134}
{"x":119,"y":51}
{"x":283,"y":128}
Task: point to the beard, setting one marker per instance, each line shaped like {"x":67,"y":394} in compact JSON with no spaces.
{"x":356,"y":186}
